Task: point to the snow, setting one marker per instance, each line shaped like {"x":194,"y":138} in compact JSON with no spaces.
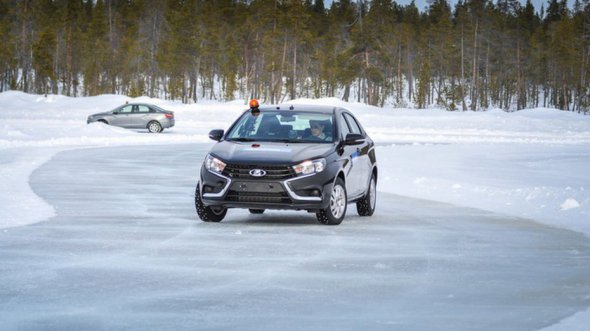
{"x":576,"y":322}
{"x":570,"y":203}
{"x":530,"y":164}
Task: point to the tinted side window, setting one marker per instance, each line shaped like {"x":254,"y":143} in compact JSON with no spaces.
{"x":143,"y":109}
{"x":354,"y":126}
{"x":126,"y":109}
{"x":344,"y":127}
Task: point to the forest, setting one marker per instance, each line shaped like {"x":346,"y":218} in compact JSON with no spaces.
{"x":475,"y":55}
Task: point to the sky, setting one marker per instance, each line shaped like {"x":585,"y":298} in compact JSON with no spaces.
{"x":423,"y":4}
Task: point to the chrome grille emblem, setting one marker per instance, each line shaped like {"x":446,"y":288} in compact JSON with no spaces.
{"x":257,"y":173}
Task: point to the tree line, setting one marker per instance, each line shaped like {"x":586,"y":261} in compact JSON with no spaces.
{"x":473,"y":56}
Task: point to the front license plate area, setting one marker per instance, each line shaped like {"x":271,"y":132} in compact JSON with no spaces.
{"x":266,"y":187}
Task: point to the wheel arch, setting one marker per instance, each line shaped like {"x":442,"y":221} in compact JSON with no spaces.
{"x":341,"y":176}
{"x":152,"y":121}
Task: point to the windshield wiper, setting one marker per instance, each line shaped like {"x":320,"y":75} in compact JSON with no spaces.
{"x":296,"y":141}
{"x":242,"y":139}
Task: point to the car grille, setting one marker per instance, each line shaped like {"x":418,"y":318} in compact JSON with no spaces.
{"x":258,"y":197}
{"x":240,"y":171}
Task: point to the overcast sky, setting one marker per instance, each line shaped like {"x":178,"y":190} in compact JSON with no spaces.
{"x":422,"y":4}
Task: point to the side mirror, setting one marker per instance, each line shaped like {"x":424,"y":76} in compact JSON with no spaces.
{"x":354,"y":139}
{"x":115,"y":113}
{"x":216,"y":135}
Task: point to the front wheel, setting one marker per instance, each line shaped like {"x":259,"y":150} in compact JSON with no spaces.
{"x":208,"y":213}
{"x":334,"y":213}
{"x":366,"y":206}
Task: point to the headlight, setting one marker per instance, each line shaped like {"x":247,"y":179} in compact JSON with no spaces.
{"x":214,"y":164}
{"x":310,"y":167}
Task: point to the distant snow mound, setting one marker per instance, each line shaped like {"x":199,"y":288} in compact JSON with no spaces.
{"x":570,"y":204}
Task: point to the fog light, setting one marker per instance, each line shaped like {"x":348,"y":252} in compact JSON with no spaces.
{"x":315,"y":193}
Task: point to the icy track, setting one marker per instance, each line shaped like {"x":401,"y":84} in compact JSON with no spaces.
{"x":59,"y":241}
{"x":125,"y":251}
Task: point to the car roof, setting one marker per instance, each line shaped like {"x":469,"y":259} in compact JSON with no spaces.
{"x":143,"y":104}
{"x":295,"y":107}
{"x":139,"y":104}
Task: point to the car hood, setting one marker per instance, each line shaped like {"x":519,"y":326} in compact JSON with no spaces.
{"x":269,"y":152}
{"x":102,"y":114}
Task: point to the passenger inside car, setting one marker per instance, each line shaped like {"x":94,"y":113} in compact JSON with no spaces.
{"x":317,"y":130}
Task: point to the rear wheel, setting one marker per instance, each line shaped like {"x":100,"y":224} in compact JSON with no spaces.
{"x":334,"y":213}
{"x":208,"y":213}
{"x":154,"y":127}
{"x":256,"y":211}
{"x":366,"y":206}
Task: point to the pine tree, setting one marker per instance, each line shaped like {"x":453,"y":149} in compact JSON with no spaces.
{"x":74,"y":23}
{"x":96,"y":51}
{"x":43,"y":50}
{"x":444,"y":52}
{"x":343,"y":16}
{"x":479,"y":55}
{"x":7,"y":48}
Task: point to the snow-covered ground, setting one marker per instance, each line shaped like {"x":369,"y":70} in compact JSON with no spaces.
{"x":533,"y":163}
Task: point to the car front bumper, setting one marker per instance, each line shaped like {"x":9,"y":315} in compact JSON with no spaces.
{"x":306,"y":192}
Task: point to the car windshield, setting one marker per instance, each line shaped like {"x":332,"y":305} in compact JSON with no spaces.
{"x":284,"y":126}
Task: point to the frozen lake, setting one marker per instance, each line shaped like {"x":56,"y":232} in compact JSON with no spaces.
{"x":127,"y":251}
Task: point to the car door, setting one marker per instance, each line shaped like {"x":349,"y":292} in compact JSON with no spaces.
{"x":351,"y":167}
{"x":121,"y":116}
{"x":359,"y":156}
{"x":139,"y":117}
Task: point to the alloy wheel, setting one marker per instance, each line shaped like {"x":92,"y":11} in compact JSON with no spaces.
{"x":337,"y":201}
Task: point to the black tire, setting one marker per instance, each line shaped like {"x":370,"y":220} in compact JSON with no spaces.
{"x":256,"y":211}
{"x":336,"y":210}
{"x":154,"y":127}
{"x":208,"y":213}
{"x":366,"y":206}
{"x":103,"y":122}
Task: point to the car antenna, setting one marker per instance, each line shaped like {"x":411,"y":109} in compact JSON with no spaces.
{"x":291,"y":108}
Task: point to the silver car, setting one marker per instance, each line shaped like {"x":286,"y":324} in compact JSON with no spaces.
{"x":136,"y":116}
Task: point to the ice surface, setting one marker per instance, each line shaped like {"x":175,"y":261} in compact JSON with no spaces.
{"x":530,"y":165}
{"x":126,"y":251}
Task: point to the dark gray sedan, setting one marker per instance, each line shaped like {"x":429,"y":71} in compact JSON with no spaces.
{"x":136,"y":116}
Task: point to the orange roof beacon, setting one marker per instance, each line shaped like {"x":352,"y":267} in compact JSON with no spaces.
{"x":254,"y":104}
